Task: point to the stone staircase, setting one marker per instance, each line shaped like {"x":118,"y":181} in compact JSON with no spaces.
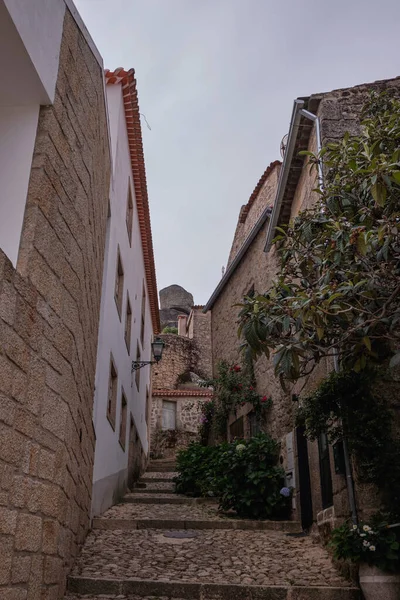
{"x":158,"y":545}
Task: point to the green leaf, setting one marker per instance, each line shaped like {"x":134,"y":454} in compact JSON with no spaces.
{"x":379,"y":192}
{"x":396,"y":176}
{"x":361,"y":245}
{"x":367,"y":342}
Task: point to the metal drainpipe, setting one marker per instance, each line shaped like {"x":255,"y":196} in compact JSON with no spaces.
{"x":347,"y":464}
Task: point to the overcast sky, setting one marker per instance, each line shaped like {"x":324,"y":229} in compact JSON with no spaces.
{"x":216,"y":81}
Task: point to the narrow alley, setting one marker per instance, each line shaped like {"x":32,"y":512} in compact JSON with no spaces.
{"x":159,"y":545}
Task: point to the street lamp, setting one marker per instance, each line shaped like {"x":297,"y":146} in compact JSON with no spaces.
{"x":157,"y":348}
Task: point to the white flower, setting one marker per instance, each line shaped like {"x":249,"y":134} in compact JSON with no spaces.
{"x":240,"y":448}
{"x":354,"y":527}
{"x":372,"y":548}
{"x":366,"y":528}
{"x":365,"y":543}
{"x":363,"y":534}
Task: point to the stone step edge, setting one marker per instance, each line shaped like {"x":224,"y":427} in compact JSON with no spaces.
{"x":155,"y":480}
{"x":138,"y":499}
{"x":161,"y":470}
{"x":206,"y":591}
{"x":146,"y":490}
{"x":182,"y":524}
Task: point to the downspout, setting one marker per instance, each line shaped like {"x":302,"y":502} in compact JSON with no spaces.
{"x":283,"y":175}
{"x":346,"y":454}
{"x":347,"y":466}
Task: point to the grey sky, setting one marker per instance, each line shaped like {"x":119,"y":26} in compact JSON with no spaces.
{"x":216,"y":81}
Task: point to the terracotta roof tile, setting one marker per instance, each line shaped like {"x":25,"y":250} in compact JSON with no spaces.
{"x":207,"y":393}
{"x":244,"y":211}
{"x":132,"y":116}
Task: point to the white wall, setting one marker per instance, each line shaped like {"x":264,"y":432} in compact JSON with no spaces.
{"x":110,"y":459}
{"x":18,"y":127}
{"x":39,"y":24}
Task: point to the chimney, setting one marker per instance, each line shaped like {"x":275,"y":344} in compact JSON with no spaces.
{"x":182,"y":320}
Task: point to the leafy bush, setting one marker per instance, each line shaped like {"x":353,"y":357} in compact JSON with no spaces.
{"x":243,"y":475}
{"x":193,"y":465}
{"x":374,"y":543}
{"x":170,"y":329}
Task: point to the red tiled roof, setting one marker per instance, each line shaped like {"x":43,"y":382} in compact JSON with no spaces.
{"x":131,"y":104}
{"x":208,"y":393}
{"x":245,"y":209}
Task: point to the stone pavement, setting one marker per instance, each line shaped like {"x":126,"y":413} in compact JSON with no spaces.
{"x":170,"y":551}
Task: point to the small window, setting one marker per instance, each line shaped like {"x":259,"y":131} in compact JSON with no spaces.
{"x":237,"y":429}
{"x":128,"y":325}
{"x":143,"y":315}
{"x":254,"y":424}
{"x":137,"y":372}
{"x":112,"y":394}
{"x":251,"y":292}
{"x":168,"y":415}
{"x":119,"y":284}
{"x":122,"y":426}
{"x":129,"y":213}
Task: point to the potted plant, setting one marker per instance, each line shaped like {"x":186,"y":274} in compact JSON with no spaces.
{"x":375,"y":548}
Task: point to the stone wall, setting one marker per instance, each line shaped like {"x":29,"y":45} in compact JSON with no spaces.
{"x":253,"y":210}
{"x":202,"y":341}
{"x":188,"y":411}
{"x":49,"y":312}
{"x":179,"y":356}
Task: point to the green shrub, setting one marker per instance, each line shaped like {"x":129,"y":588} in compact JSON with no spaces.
{"x":170,"y":329}
{"x":194,"y":465}
{"x":375,"y":543}
{"x":243,"y":475}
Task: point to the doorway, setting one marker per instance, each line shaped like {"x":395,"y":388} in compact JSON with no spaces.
{"x":306,"y":508}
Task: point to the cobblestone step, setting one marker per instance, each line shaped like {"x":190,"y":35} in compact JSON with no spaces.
{"x":161,"y":469}
{"x":179,"y":524}
{"x":243,"y":558}
{"x":157,"y":476}
{"x":148,"y":490}
{"x":177,"y":590}
{"x":167,"y":498}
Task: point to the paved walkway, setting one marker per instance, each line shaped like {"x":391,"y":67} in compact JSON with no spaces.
{"x":149,"y":548}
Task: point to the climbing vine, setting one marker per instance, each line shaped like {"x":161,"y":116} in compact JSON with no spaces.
{"x":233,"y":388}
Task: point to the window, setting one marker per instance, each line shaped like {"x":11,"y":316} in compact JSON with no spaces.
{"x":112,"y":394}
{"x":237,"y":429}
{"x":122,"y":425}
{"x":251,"y":292}
{"x":254,"y":424}
{"x":119,"y":284}
{"x":128,"y":324}
{"x":129,"y":213}
{"x":137,"y":372}
{"x":143,"y":315}
{"x":168,"y":415}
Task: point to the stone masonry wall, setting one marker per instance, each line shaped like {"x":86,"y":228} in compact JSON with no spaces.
{"x":49,"y":312}
{"x":264,"y":198}
{"x":165,"y":443}
{"x":202,"y":341}
{"x":179,"y":356}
